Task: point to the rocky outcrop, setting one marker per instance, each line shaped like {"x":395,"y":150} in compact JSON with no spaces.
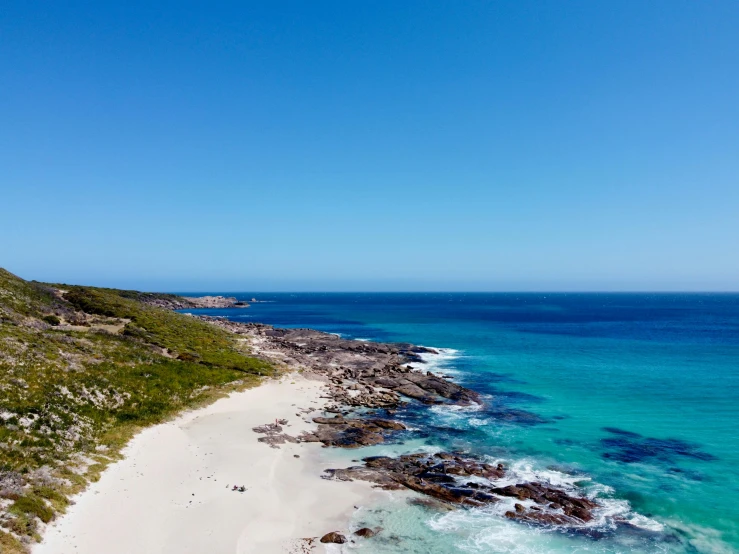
{"x":273,"y":434}
{"x":214,"y":302}
{"x":457,"y":480}
{"x":351,"y":433}
{"x":357,"y":373}
{"x":174,"y":302}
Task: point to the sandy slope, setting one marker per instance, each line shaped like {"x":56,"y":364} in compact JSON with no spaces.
{"x":172,"y":492}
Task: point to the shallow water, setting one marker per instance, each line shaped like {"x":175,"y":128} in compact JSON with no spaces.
{"x":633,"y":397}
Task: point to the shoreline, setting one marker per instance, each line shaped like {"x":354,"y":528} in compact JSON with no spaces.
{"x":171,"y":492}
{"x":173,"y":486}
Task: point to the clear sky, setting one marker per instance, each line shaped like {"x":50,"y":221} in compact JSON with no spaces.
{"x":371,"y":145}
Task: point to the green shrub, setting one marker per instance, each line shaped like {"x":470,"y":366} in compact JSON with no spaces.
{"x":52,"y":319}
{"x":34,"y":507}
{"x":10,"y":545}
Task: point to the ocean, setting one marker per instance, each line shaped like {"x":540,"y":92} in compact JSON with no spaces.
{"x":633,"y":398}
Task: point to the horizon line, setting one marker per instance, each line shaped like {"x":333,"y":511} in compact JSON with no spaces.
{"x":448,"y":292}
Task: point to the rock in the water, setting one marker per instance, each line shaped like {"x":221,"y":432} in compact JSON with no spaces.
{"x":430,"y":504}
{"x":448,"y":478}
{"x":333,"y":537}
{"x":366,"y":532}
{"x":336,"y":420}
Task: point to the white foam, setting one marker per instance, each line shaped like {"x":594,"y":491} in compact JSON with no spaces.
{"x":703,"y":539}
{"x":644,"y":522}
{"x":455,"y":410}
{"x":486,"y":530}
{"x":609,"y":512}
{"x":488,"y":533}
{"x":439,"y":362}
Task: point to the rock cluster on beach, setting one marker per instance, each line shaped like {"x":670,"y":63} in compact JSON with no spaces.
{"x":351,"y":433}
{"x":273,"y":434}
{"x":363,"y":378}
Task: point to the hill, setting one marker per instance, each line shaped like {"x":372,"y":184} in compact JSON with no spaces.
{"x":81,"y":370}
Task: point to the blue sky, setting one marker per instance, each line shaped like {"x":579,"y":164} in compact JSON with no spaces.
{"x":371,"y":145}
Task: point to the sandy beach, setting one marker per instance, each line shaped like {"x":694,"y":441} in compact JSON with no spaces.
{"x":172,"y":493}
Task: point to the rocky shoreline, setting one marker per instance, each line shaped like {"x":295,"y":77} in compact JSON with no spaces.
{"x":369,"y":383}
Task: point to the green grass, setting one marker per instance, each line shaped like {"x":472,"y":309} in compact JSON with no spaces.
{"x":23,"y":298}
{"x":83,"y":390}
{"x":10,"y":545}
{"x":179,"y":334}
{"x":32,"y":506}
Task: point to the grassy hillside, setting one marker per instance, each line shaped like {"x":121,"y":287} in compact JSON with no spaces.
{"x":81,"y":369}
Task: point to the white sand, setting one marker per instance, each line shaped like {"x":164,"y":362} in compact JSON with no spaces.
{"x":172,"y":491}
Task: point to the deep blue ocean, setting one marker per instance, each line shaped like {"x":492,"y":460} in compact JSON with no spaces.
{"x":632,"y":397}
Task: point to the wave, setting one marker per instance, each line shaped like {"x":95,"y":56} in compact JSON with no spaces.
{"x":438,"y":362}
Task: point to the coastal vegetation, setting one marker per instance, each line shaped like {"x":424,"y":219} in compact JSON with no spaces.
{"x":81,"y":370}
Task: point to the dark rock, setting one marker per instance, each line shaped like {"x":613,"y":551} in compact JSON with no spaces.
{"x":274,"y":440}
{"x":350,"y":433}
{"x":630,"y":447}
{"x":268,"y":428}
{"x":366,"y":532}
{"x":414,"y":391}
{"x":520,"y":417}
{"x":430,"y":504}
{"x":333,"y":537}
{"x":440,"y":477}
{"x":437,"y":477}
{"x":336,"y":420}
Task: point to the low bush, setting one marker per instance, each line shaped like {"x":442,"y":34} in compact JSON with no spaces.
{"x":52,"y":319}
{"x":33,"y":506}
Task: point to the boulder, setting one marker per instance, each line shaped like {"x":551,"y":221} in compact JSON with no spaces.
{"x":366,"y":532}
{"x":333,"y":537}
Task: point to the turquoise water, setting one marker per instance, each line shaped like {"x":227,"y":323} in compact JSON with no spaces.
{"x":634,"y":398}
